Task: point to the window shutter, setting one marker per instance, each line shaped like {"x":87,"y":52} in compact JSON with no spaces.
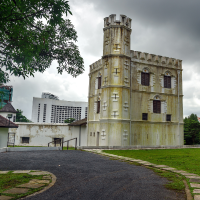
{"x":156,"y":106}
{"x":165,"y":81}
{"x":142,"y":78}
{"x":147,"y":79}
{"x":169,"y":82}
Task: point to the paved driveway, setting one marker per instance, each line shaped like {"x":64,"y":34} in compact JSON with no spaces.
{"x":86,"y":176}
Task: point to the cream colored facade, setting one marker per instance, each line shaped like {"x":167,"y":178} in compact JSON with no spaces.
{"x":123,"y":98}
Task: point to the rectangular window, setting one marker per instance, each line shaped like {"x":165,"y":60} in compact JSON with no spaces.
{"x":168,"y":118}
{"x":99,"y":82}
{"x":94,"y":134}
{"x":25,"y":140}
{"x":156,"y":106}
{"x":167,"y":81}
{"x":98,"y":106}
{"x":90,"y":133}
{"x":144,"y":116}
{"x":57,"y":140}
{"x":145,"y":79}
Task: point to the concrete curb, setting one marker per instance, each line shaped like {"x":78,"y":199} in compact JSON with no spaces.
{"x":45,"y":188}
{"x":162,"y":167}
{"x":11,"y":149}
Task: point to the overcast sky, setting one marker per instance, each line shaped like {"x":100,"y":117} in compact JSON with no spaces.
{"x":169,"y":28}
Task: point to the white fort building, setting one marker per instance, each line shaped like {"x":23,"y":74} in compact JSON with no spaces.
{"x":49,"y":109}
{"x":135,"y":98}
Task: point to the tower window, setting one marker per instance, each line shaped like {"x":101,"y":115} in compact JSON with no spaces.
{"x":98,"y":106}
{"x":99,"y":82}
{"x":156,"y":106}
{"x":145,"y":78}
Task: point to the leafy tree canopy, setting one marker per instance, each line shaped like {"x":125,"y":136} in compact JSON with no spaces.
{"x":33,"y":33}
{"x":69,"y":120}
{"x":20,"y":117}
{"x":192,"y":129}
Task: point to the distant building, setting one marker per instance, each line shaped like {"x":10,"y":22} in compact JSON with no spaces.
{"x":49,"y":109}
{"x":6,"y":93}
{"x":9,"y":112}
{"x":198,"y":119}
{"x":48,"y":95}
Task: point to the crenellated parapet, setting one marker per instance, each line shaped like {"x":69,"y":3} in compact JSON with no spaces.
{"x":111,"y":20}
{"x":96,"y":65}
{"x":143,"y":57}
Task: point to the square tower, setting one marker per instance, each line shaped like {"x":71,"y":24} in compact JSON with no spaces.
{"x":135,"y":98}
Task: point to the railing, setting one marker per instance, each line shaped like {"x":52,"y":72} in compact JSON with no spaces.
{"x":61,"y":142}
{"x":60,"y":139}
{"x":68,"y":143}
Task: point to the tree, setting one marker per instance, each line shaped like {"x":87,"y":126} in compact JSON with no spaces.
{"x":20,"y":117}
{"x":69,"y":120}
{"x":33,"y":33}
{"x":192,"y":129}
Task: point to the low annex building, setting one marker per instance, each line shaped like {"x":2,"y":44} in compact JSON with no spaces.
{"x":135,"y":98}
{"x":5,"y":124}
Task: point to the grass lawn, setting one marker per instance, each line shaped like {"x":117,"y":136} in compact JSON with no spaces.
{"x":181,"y":159}
{"x":10,"y":180}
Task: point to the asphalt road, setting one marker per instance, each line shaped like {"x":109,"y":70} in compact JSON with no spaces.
{"x":87,"y":176}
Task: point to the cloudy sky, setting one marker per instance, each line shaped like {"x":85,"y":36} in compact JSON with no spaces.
{"x":170,"y":28}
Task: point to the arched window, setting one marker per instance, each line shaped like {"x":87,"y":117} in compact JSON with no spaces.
{"x":167,"y":80}
{"x":156,"y":105}
{"x":145,"y":77}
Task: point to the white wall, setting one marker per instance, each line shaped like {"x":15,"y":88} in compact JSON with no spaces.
{"x":41,"y":134}
{"x":3,"y":137}
{"x":5,"y":114}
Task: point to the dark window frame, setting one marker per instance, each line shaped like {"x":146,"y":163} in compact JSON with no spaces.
{"x":167,"y":81}
{"x":145,"y":78}
{"x":157,"y":106}
{"x":98,"y":106}
{"x":144,"y":116}
{"x":25,"y":140}
{"x":168,"y":118}
{"x":99,"y":82}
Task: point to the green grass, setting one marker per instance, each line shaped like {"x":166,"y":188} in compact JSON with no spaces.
{"x":175,"y":181}
{"x":70,"y":148}
{"x":10,"y":180}
{"x":181,"y":159}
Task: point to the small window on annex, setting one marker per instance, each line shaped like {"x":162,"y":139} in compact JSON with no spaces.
{"x":25,"y":140}
{"x":167,"y":80}
{"x":145,"y":77}
{"x":168,"y":118}
{"x":144,"y":116}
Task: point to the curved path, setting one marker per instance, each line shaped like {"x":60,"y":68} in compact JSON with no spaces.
{"x":87,"y":176}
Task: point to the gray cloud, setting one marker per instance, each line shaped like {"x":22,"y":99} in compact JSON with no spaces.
{"x":169,"y":28}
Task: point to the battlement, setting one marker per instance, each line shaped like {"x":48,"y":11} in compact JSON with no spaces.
{"x":96,"y":65}
{"x":111,"y":20}
{"x":155,"y":59}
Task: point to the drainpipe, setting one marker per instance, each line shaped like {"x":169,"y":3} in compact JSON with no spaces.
{"x":130,"y":103}
{"x":79,"y":135}
{"x":179,"y":139}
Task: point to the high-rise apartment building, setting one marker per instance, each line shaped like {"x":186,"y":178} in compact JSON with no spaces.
{"x":52,"y":110}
